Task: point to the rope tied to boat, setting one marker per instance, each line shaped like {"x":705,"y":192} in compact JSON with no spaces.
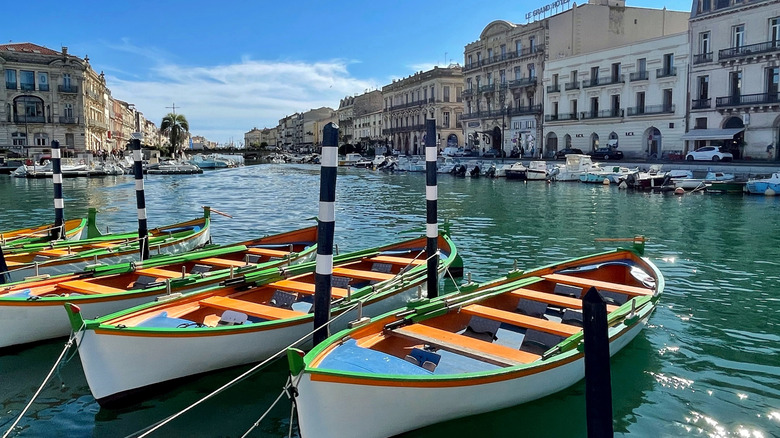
{"x":291,"y":392}
{"x":68,"y":345}
{"x":154,"y":427}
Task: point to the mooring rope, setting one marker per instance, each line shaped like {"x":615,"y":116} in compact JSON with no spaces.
{"x":161,"y":423}
{"x":257,"y":423}
{"x":40,"y":388}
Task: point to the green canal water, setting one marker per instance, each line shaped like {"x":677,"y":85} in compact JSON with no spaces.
{"x":708,"y":364}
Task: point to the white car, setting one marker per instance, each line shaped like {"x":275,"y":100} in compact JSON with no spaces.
{"x":709,"y":153}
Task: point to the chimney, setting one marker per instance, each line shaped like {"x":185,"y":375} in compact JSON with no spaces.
{"x":65,"y":50}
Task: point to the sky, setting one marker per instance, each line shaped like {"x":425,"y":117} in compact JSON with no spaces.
{"x":231,"y":66}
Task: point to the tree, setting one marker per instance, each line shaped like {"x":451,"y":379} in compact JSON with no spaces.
{"x":174,"y":126}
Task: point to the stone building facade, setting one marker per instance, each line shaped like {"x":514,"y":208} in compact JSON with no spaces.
{"x":409,"y":102}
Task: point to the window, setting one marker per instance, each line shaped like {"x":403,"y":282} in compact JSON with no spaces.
{"x":478,"y":81}
{"x":432,"y":94}
{"x":531,"y":71}
{"x":774,"y":29}
{"x":502,"y":76}
{"x":555,"y":110}
{"x":668,"y":63}
{"x":458,"y":94}
{"x":573,"y":105}
{"x":704,"y":87}
{"x":27,"y":80}
{"x":69,"y":143}
{"x":772,"y":81}
{"x":10,"y":79}
{"x":469,"y":62}
{"x":479,"y":58}
{"x":30,"y":107}
{"x":532,"y":44}
{"x":490,"y":55}
{"x":490,"y":78}
{"x":503,"y":51}
{"x":66,"y":80}
{"x":704,"y":43}
{"x":446,"y":93}
{"x":19,"y":139}
{"x":641,"y":65}
{"x":519,"y":47}
{"x":425,"y":94}
{"x":594,"y":106}
{"x":594,"y":75}
{"x":735,"y":81}
{"x":468,"y":85}
{"x":446,"y":122}
{"x":41,"y":139}
{"x":667,"y":99}
{"x":704,"y":5}
{"x":615,"y":105}
{"x":518,"y":73}
{"x":640,"y":102}
{"x":738,"y":35}
{"x":43,"y":81}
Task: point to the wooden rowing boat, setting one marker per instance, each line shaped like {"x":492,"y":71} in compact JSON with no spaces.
{"x":32,"y":310}
{"x":511,"y":341}
{"x":63,"y":257}
{"x":243,"y":322}
{"x":74,"y":230}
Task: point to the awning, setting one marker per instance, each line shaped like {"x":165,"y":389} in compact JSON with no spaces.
{"x":712,"y":134}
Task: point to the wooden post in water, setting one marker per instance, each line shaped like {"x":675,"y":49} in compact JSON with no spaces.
{"x":58,"y":232}
{"x":140,"y":199}
{"x":325,"y":225}
{"x":598,"y":384}
{"x":431,"y":196}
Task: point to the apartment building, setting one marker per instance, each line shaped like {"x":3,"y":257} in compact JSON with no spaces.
{"x":367,"y":119}
{"x":631,"y":97}
{"x":734,"y":77}
{"x":256,"y":137}
{"x":345,"y":116}
{"x":503,"y":94}
{"x":409,"y":102}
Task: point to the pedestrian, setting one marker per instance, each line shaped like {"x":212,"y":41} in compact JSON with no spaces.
{"x":522,"y":152}
{"x":769,"y":150}
{"x":533,"y":150}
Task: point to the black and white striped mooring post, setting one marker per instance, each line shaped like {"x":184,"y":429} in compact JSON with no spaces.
{"x":58,"y":231}
{"x":140,"y":200}
{"x":431,"y":197}
{"x":598,"y":380}
{"x":325,"y":225}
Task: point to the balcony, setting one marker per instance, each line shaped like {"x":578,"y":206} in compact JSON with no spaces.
{"x":604,"y":114}
{"x":10,"y":85}
{"x":97,"y":125}
{"x":560,"y":117}
{"x":467,"y":93}
{"x":43,"y":87}
{"x":29,"y":119}
{"x":489,"y":88}
{"x":650,"y":110}
{"x":69,"y":120}
{"x":748,"y":51}
{"x":575,"y":85}
{"x":528,"y":51}
{"x":68,"y":88}
{"x":665,"y":72}
{"x":27,"y":87}
{"x":523,"y":82}
{"x":606,"y":80}
{"x":524,"y":110}
{"x":702,"y":58}
{"x":639,"y":76}
{"x":554,"y":88}
{"x":701,"y":103}
{"x":772,"y":99}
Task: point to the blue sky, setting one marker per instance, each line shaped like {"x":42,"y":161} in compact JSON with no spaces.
{"x":231,"y":66}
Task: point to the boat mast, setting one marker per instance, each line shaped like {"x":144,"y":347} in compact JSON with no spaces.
{"x":58,"y":231}
{"x":325,"y":225}
{"x":140,"y":200}
{"x":431,"y":196}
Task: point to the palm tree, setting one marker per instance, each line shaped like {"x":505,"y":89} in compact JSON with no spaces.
{"x":174,"y":126}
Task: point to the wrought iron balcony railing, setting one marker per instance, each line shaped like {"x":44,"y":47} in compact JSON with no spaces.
{"x":639,"y":76}
{"x":751,"y":50}
{"x":604,"y":114}
{"x":701,"y":58}
{"x":650,"y":110}
{"x":68,"y":88}
{"x":29,"y":119}
{"x":571,"y":85}
{"x":748,"y":99}
{"x":665,"y":72}
{"x":554,"y":88}
{"x":701,"y":103}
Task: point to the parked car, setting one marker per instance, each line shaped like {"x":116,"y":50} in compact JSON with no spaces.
{"x":606,"y":154}
{"x":561,"y":154}
{"x":492,"y":153}
{"x":709,"y":153}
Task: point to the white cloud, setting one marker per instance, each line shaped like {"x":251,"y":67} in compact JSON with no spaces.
{"x":224,"y":101}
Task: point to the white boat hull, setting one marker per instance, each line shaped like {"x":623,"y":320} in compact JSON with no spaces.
{"x":329,"y":410}
{"x":19,"y":274}
{"x":115,"y":363}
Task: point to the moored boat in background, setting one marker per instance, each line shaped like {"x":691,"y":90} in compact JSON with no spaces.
{"x":766,"y":186}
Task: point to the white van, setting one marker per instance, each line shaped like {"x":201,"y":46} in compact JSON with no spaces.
{"x":452,"y":152}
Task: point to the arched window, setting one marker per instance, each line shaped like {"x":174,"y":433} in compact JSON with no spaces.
{"x":41,"y":139}
{"x":19,"y":139}
{"x":28,"y":109}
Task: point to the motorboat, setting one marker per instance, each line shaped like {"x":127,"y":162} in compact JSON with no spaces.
{"x":537,"y":171}
{"x":517,"y":171}
{"x":766,"y":186}
{"x":576,"y":165}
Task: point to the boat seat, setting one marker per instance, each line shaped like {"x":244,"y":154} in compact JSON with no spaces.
{"x":306,"y":288}
{"x":159,"y":273}
{"x":200,"y":269}
{"x":144,"y":281}
{"x":538,"y":342}
{"x":224,"y":263}
{"x":536,"y":309}
{"x":566,"y":290}
{"x":163,"y":320}
{"x":53,"y":252}
{"x":482,"y":328}
{"x":40,"y":258}
{"x":268,"y":252}
{"x":598,"y":284}
{"x":250,"y":308}
{"x":252,"y":259}
{"x":613,"y":298}
{"x":87,"y":288}
{"x":363,"y":275}
{"x":342,"y":282}
{"x":519,"y":320}
{"x":474,"y":348}
{"x":232,"y":317}
{"x":423,"y":358}
{"x":386,"y":268}
{"x":553,"y":299}
{"x":572,"y":317}
{"x":283,"y":299}
{"x":401,"y":261}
